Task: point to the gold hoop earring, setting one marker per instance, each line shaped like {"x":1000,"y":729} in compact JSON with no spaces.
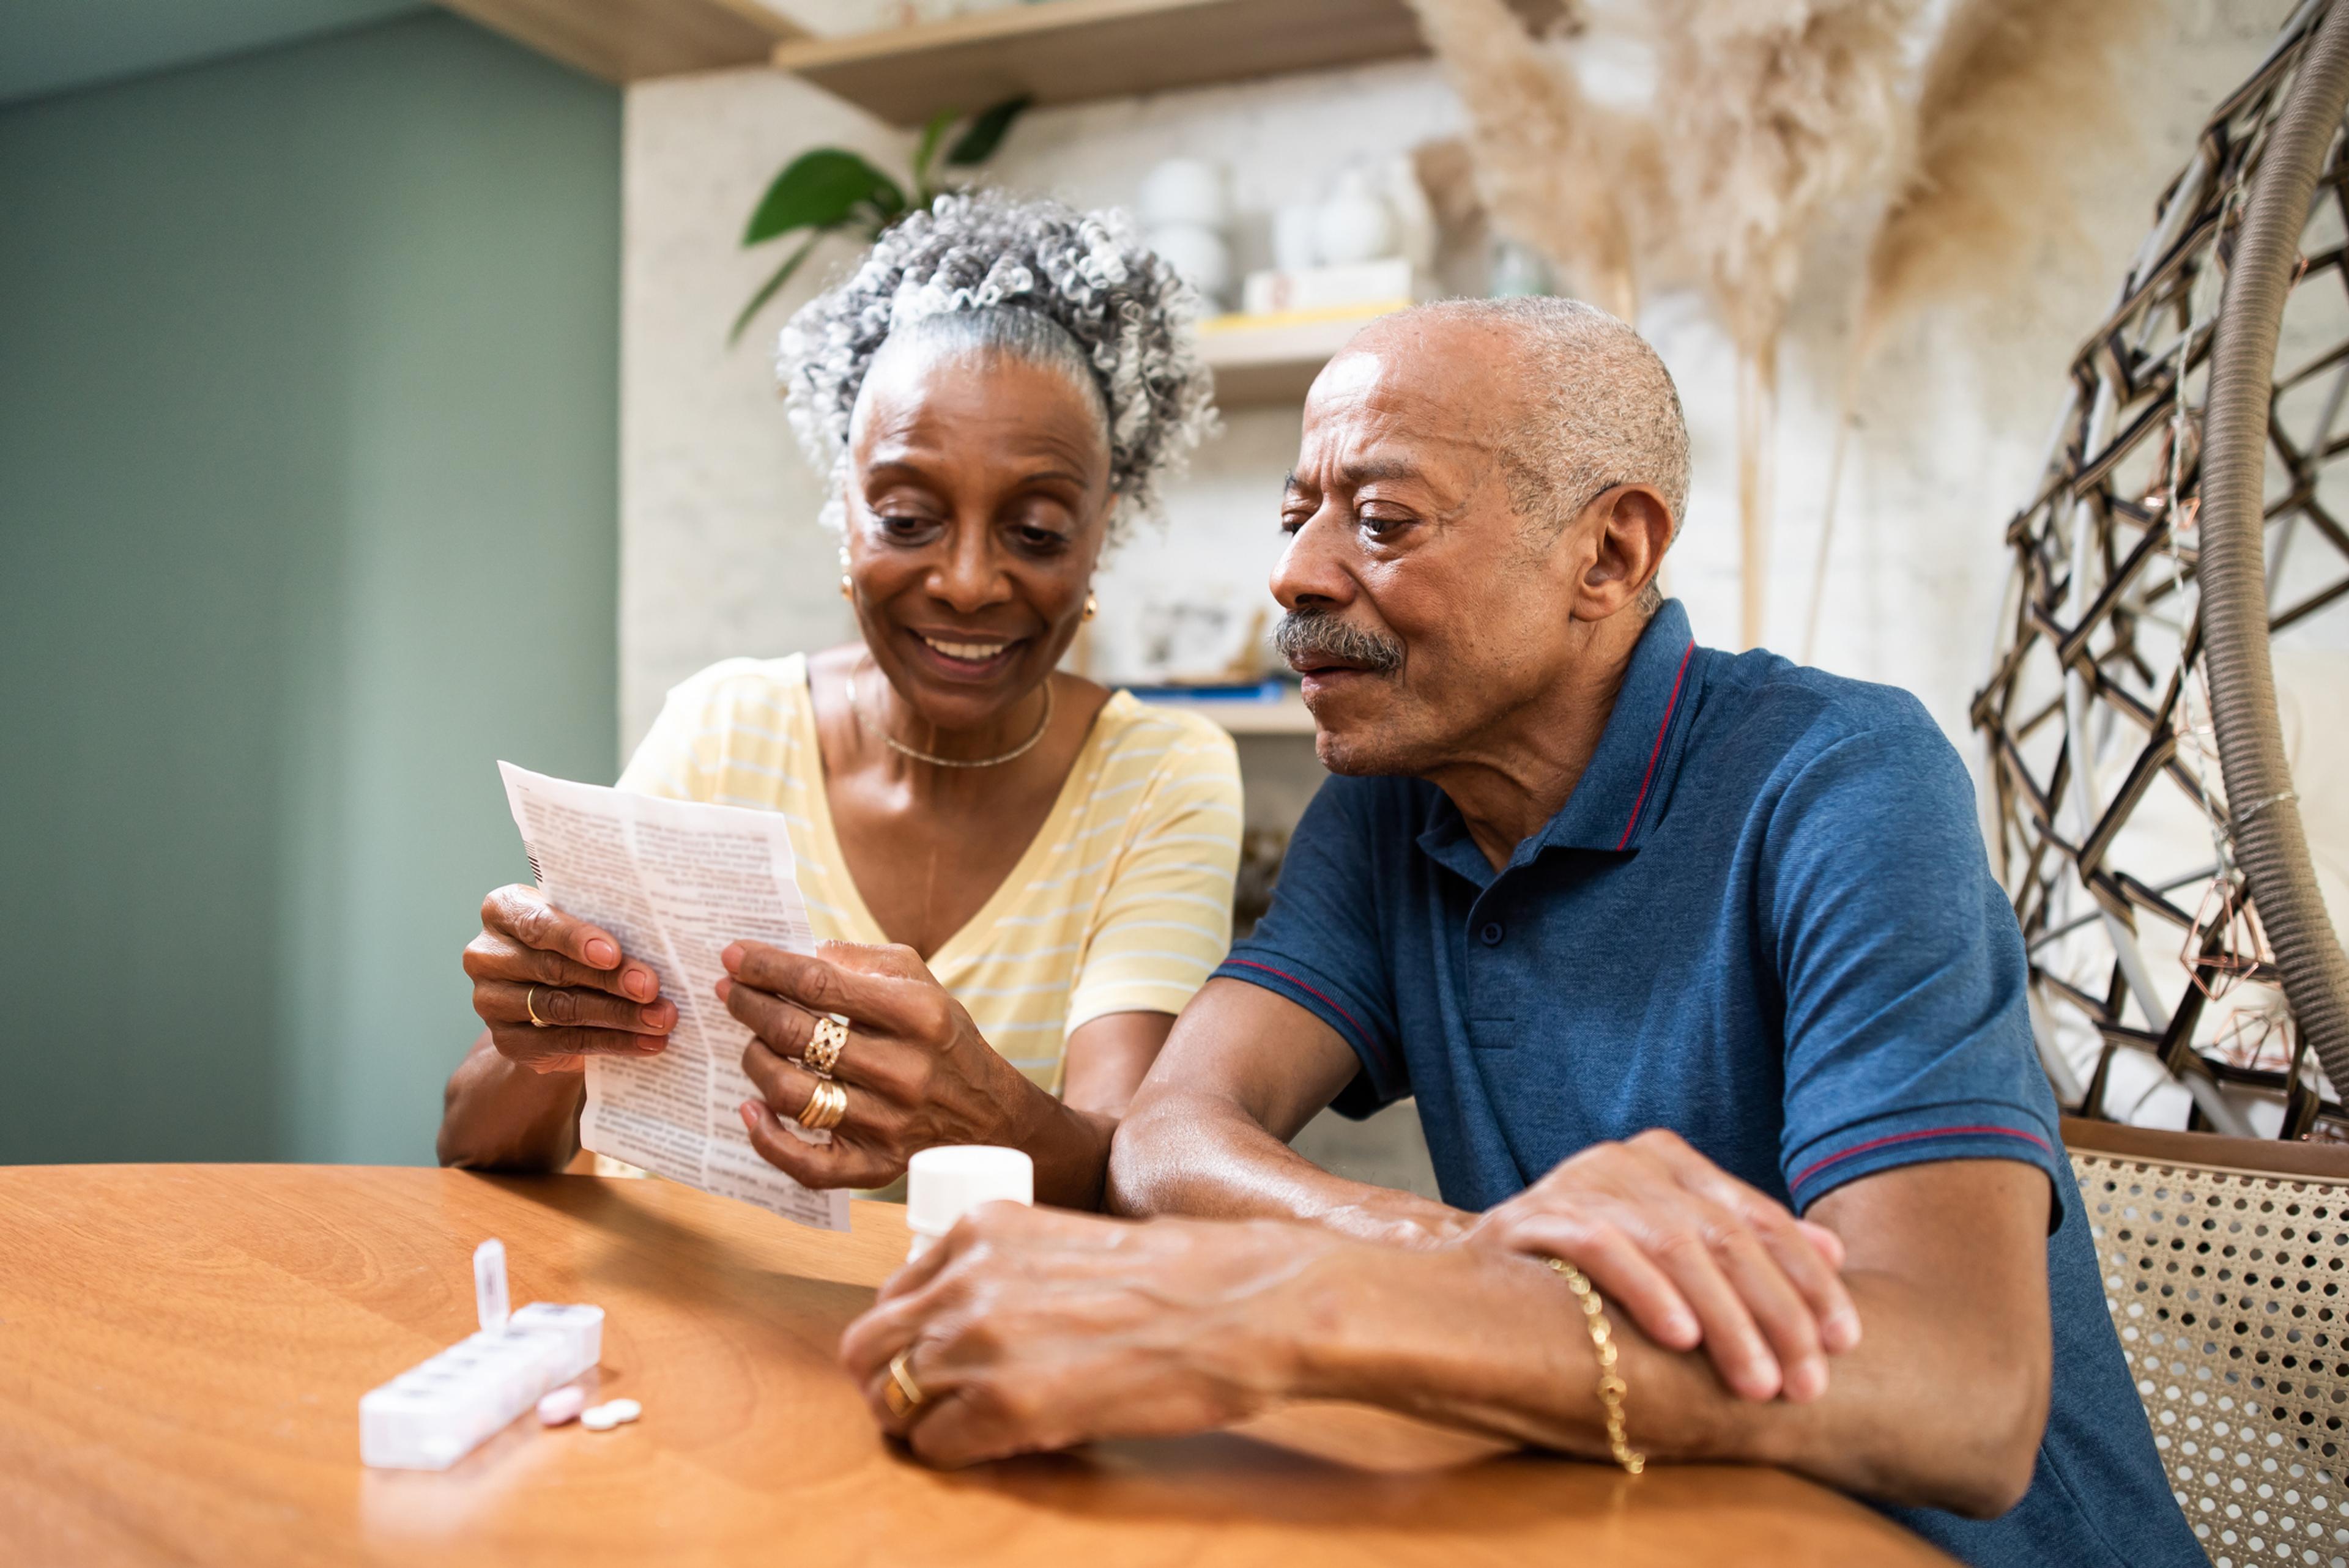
{"x":1093,"y":605}
{"x":847,"y":589}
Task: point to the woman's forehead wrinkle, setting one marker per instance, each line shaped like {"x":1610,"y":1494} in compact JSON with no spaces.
{"x":900,"y":425}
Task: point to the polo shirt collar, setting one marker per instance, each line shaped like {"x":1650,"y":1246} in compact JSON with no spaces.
{"x":1616,"y":802}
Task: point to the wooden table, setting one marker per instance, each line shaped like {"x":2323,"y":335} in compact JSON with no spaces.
{"x":183,"y":1349}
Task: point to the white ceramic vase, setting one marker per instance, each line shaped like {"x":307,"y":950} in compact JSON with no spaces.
{"x":1294,"y":247}
{"x":1186,"y":191}
{"x":1354,"y":224}
{"x":1199,"y":254}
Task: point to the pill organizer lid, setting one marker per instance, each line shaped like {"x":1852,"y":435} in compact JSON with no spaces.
{"x":489,"y":1285}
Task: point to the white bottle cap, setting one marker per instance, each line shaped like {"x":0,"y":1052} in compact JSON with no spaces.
{"x":945,"y":1183}
{"x":489,"y":1285}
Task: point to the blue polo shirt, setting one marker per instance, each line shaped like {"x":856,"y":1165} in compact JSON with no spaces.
{"x":1765,"y":919}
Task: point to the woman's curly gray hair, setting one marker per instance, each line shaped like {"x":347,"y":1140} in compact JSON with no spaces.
{"x":1124,"y":313}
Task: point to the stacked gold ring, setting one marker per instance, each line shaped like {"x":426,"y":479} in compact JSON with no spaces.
{"x":901,"y":1393}
{"x":824,"y":1046}
{"x":825,"y":1107}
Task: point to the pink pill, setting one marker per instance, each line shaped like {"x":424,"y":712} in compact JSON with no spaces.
{"x":563,"y":1405}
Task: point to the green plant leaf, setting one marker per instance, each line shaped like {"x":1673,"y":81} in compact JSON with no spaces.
{"x":767,"y":290}
{"x":817,"y":189}
{"x":985,"y":133}
{"x":932,"y":134}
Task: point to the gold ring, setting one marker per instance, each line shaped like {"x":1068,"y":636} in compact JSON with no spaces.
{"x":824,"y":1047}
{"x":825,"y":1107}
{"x":530,"y":1005}
{"x":901,"y":1393}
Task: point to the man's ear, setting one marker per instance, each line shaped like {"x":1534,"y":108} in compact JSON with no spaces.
{"x":1626,"y":528}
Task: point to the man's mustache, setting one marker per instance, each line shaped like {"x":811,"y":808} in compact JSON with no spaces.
{"x":1304,"y":634}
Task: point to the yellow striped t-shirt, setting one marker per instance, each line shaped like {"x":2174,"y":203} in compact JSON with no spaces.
{"x":1122,"y":902}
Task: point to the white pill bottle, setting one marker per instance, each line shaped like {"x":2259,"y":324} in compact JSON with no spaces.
{"x":945,"y":1183}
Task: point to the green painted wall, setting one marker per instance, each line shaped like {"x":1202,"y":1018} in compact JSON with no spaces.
{"x":308,"y":512}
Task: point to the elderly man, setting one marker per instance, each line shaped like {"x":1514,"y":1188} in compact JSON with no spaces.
{"x":1667,"y":944}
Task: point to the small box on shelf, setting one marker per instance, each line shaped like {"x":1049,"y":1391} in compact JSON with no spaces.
{"x":1257,"y":707}
{"x":1359,"y":288}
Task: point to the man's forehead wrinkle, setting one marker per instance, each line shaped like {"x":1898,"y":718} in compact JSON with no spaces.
{"x":1410,"y":397}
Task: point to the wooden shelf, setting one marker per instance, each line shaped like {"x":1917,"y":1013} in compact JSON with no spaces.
{"x":1073,"y":51}
{"x":629,"y":40}
{"x":1290,"y":715}
{"x":1274,"y":359}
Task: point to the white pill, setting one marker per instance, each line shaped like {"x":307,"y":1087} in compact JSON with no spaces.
{"x":563,"y":1405}
{"x":604,"y":1417}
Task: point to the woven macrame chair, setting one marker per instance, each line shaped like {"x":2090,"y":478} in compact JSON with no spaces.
{"x":2226,"y":1265}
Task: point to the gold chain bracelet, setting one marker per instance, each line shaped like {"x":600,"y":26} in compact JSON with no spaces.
{"x":1612,"y":1387}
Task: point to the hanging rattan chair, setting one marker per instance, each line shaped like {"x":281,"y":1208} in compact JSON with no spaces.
{"x":2145,"y":821}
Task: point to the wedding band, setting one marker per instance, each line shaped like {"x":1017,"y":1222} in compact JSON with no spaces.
{"x":823,"y":1049}
{"x":825,"y":1108}
{"x":530,"y":1005}
{"x":901,"y":1393}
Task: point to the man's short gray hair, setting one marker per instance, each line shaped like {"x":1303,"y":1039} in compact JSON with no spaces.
{"x":1073,"y":291}
{"x":1601,"y":409}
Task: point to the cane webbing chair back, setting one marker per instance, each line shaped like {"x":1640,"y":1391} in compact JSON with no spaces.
{"x":2226,"y":1267}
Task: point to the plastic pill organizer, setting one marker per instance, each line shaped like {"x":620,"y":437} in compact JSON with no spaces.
{"x":434,"y":1414}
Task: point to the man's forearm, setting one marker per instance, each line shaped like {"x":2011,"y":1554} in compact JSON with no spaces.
{"x":1926,"y":1412}
{"x":1202,"y":1155}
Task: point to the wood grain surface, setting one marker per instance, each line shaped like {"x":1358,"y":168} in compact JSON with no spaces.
{"x":183,"y":1349}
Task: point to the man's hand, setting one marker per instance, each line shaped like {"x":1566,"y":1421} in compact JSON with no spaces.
{"x":1028,"y":1329}
{"x":1695,"y":1256}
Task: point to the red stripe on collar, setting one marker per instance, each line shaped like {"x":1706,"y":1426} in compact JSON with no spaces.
{"x":1657,"y":751}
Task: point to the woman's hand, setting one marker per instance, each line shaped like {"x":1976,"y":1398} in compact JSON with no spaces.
{"x":595,"y":999}
{"x":914,"y":1070}
{"x":1695,"y":1256}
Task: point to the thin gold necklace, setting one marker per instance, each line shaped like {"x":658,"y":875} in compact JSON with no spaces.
{"x":1022,"y":750}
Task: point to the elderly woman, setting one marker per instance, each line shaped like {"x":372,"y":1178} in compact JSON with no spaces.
{"x":1018,"y":877}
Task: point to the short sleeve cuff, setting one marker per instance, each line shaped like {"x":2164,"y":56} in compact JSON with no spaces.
{"x":1098,"y":1000}
{"x":1965,"y":1130}
{"x":1382,"y":1066}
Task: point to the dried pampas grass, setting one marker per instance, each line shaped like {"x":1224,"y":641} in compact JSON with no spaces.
{"x":1551,"y":166}
{"x":1773,"y":109}
{"x":2018,"y":97}
{"x":2018,"y":100}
